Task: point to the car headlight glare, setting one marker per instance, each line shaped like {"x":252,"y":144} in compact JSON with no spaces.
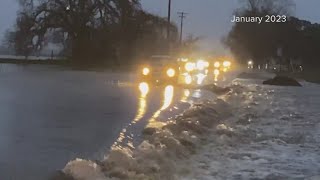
{"x":201,"y":64}
{"x":226,"y":63}
{"x":171,"y":72}
{"x":216,"y":64}
{"x":189,"y":66}
{"x":145,"y":71}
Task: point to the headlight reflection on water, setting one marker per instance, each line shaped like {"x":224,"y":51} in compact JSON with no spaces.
{"x":216,"y":74}
{"x":144,"y":89}
{"x":188,"y":79}
{"x":186,"y":94}
{"x":167,"y":101}
{"x":142,"y":108}
{"x":168,"y":97}
{"x":200,"y":78}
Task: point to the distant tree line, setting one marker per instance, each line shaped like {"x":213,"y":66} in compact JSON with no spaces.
{"x":90,"y":31}
{"x":295,"y":39}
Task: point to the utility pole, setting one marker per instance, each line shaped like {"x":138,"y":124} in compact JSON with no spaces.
{"x":169,"y":20}
{"x":182,"y":15}
{"x":168,"y":28}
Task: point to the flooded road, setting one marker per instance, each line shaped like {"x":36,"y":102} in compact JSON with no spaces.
{"x":50,"y":116}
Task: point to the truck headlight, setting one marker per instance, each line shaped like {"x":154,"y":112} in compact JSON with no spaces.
{"x":189,"y":66}
{"x":145,"y":71}
{"x":216,"y":64}
{"x":171,"y":72}
{"x":226,"y":63}
{"x":201,"y":65}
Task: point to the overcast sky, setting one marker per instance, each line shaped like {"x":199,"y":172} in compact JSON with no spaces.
{"x":209,"y":19}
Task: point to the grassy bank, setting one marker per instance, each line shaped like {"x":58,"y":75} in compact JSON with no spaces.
{"x":46,"y":62}
{"x":71,"y":65}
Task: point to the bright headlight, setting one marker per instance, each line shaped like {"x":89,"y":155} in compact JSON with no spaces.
{"x":216,"y":64}
{"x":171,"y":72}
{"x":226,"y":63}
{"x":201,"y":64}
{"x":189,"y":66}
{"x":145,"y":71}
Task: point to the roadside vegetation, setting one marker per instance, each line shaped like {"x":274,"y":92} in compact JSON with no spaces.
{"x":295,"y":40}
{"x":94,"y":32}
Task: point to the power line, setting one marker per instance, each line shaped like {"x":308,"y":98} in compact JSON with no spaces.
{"x":182,"y":15}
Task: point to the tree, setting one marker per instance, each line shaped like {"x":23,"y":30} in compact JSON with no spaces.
{"x":9,"y":39}
{"x":152,"y":37}
{"x":92,"y":31}
{"x":258,"y":41}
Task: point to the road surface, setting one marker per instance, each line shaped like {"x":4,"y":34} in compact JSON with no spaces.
{"x":50,"y":116}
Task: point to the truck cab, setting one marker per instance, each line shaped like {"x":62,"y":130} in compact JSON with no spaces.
{"x":159,"y":69}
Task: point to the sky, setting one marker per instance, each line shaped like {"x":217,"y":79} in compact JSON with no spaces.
{"x":209,"y":19}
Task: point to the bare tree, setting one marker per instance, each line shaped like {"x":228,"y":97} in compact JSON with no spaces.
{"x":92,"y":30}
{"x":276,"y":7}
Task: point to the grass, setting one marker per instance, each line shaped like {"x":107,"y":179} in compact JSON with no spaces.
{"x":74,"y":66}
{"x":46,"y":62}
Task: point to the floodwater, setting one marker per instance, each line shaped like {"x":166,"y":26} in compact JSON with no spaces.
{"x":49,"y":116}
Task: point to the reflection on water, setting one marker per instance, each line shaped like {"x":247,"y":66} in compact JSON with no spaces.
{"x":125,"y":138}
{"x":186,"y":94}
{"x":168,"y":97}
{"x":188,"y":79}
{"x":144,"y":89}
{"x":200,"y":78}
{"x":142,"y":108}
{"x":216,"y":74}
{"x":197,"y":93}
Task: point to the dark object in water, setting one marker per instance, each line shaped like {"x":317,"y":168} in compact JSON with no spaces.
{"x":282,"y":81}
{"x":149,"y":131}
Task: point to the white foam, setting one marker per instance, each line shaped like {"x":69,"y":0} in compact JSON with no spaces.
{"x":251,"y":132}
